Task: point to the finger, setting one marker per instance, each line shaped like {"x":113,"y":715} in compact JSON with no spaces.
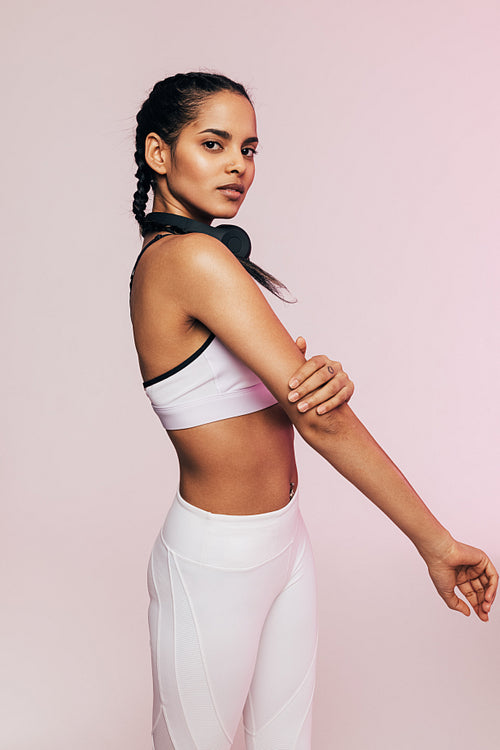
{"x":473,"y":561}
{"x":487,"y":578}
{"x":350,"y":390}
{"x":308,"y":368}
{"x":485,"y":581}
{"x":454,"y":602}
{"x":324,"y":406}
{"x":319,"y":387}
{"x":315,"y":390}
{"x":301,"y":343}
{"x":475,"y":597}
{"x":489,"y":596}
{"x":470,"y":593}
{"x":481,"y":587}
{"x":490,"y":590}
{"x":319,"y":378}
{"x":478,"y":589}
{"x":342,"y":397}
{"x":492,"y":575}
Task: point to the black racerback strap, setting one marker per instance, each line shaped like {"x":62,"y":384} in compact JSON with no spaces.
{"x":157,"y":237}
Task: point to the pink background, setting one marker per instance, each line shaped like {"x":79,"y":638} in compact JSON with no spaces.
{"x":376,"y":200}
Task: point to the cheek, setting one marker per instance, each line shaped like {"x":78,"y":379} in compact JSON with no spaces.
{"x":200,"y":167}
{"x":251,"y":173}
{"x":193,"y":169}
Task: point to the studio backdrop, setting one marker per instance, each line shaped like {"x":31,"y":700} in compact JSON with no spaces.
{"x":376,"y":201}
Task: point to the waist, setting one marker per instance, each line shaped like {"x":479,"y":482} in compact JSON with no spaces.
{"x":242,"y":540}
{"x":240,"y":465}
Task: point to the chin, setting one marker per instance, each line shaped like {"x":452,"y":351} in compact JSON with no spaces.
{"x":229,"y":212}
{"x":218,"y":212}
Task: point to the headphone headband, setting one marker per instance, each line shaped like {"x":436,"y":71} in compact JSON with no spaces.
{"x":233,"y":237}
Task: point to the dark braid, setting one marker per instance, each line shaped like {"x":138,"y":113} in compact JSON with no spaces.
{"x":143,"y":176}
{"x":172,"y":104}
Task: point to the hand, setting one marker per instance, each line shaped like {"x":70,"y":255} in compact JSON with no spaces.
{"x":472,"y":572}
{"x":322,"y":381}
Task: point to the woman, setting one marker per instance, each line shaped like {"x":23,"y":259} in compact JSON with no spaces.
{"x":231,"y":577}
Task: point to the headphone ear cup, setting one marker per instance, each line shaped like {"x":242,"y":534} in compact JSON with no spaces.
{"x":235,"y":238}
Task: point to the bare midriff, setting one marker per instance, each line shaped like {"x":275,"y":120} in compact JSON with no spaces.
{"x":238,"y":466}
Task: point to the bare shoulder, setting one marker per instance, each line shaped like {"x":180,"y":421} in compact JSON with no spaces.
{"x":190,"y":266}
{"x":201,"y":254}
{"x":191,"y":258}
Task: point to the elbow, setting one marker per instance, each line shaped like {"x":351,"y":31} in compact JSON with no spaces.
{"x":313,"y":426}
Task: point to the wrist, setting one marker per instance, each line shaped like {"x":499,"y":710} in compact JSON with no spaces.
{"x":436,"y":549}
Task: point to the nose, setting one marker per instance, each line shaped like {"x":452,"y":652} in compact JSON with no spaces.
{"x":235,"y":162}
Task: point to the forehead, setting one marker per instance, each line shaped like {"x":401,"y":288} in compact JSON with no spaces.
{"x":226,"y":111}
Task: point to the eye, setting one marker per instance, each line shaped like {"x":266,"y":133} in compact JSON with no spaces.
{"x":250,"y":151}
{"x":212,"y":145}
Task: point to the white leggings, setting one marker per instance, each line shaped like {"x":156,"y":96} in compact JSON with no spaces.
{"x":233,"y":629}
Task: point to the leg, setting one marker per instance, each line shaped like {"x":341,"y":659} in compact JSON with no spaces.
{"x":205,"y":624}
{"x":278,"y":710}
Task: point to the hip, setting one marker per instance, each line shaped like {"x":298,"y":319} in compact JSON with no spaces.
{"x":227,"y":540}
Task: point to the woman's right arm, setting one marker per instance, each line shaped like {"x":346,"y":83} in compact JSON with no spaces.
{"x":211,"y":286}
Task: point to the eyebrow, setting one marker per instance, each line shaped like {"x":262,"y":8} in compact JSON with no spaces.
{"x":227,"y":136}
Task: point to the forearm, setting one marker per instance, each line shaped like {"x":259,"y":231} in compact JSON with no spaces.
{"x":348,"y":446}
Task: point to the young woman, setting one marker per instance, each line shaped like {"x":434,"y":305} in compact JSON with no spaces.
{"x":231,"y":576}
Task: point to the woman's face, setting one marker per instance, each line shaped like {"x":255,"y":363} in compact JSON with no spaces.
{"x":214,"y":151}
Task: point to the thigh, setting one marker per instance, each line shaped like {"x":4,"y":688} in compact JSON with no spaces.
{"x":278,"y":710}
{"x":205,"y":624}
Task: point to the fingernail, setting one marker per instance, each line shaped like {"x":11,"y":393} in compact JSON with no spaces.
{"x":293,"y":396}
{"x":303,"y":406}
{"x":320,"y":410}
{"x":293,"y":383}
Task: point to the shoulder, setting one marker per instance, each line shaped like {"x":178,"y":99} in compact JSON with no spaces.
{"x":193,"y":258}
{"x":190,"y":250}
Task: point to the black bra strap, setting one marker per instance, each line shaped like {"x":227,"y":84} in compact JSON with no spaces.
{"x":158,"y":237}
{"x":183,"y":364}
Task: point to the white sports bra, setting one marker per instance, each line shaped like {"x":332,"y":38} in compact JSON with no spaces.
{"x":210,"y":385}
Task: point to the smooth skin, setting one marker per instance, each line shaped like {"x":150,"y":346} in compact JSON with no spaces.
{"x":188,"y":285}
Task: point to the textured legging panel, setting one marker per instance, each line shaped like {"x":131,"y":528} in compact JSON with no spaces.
{"x":233,"y":629}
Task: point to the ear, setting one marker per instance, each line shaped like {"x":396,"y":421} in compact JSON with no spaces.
{"x":157,"y":153}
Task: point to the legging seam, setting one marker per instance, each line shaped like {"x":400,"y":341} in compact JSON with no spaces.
{"x":222,"y":567}
{"x":210,"y":688}
{"x":157,"y":720}
{"x":297,"y":690}
{"x":162,"y":711}
{"x":295,"y":578}
{"x":305,"y":716}
{"x":252,"y":712}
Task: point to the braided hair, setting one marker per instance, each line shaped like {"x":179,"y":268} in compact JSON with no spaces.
{"x":172,"y":104}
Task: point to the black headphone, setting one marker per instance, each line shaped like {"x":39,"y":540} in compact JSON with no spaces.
{"x":233,"y":237}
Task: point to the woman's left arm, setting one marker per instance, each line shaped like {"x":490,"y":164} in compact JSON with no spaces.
{"x":210,"y":285}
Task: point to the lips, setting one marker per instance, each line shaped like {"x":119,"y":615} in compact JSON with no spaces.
{"x":232,"y":186}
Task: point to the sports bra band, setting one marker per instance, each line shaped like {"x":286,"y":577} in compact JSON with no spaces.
{"x":182,"y":365}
